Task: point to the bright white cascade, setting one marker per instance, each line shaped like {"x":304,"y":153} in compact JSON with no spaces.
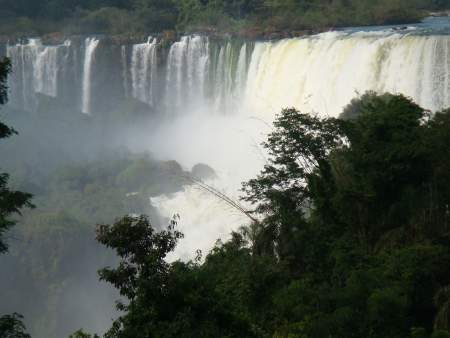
{"x":202,"y":74}
{"x":186,"y":73}
{"x":90,"y":47}
{"x":35,"y":69}
{"x":323,"y":73}
{"x":45,"y":71}
{"x":143,"y":71}
{"x":229,"y":144}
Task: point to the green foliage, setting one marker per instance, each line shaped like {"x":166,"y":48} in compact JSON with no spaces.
{"x":5,"y":69}
{"x":82,"y":334}
{"x":352,"y":238}
{"x":11,"y":202}
{"x":214,"y":299}
{"x":440,"y":334}
{"x":368,"y":185}
{"x":148,"y":16}
{"x":105,"y":20}
{"x":143,"y":273}
{"x":11,"y":326}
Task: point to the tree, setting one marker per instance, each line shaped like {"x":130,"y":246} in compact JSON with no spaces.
{"x":178,"y":299}
{"x":11,"y":202}
{"x":358,"y":210}
{"x":352,"y":238}
{"x":11,"y":326}
{"x":82,"y":334}
{"x":296,"y":179}
{"x":386,"y":162}
{"x":142,"y":274}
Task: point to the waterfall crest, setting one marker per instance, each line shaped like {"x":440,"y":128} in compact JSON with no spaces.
{"x":323,"y":73}
{"x":319,"y":74}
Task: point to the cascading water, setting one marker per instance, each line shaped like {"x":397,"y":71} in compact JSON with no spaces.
{"x":323,"y":73}
{"x":144,"y":71}
{"x":90,"y":47}
{"x":221,"y":97}
{"x":35,"y":70}
{"x":241,"y":73}
{"x":124,"y":59}
{"x":46,"y":70}
{"x":197,"y":62}
{"x":200,"y":75}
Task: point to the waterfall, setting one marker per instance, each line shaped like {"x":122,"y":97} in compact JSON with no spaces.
{"x":124,"y":70}
{"x":220,"y":96}
{"x":90,"y":47}
{"x":175,"y":63}
{"x":323,"y":73}
{"x":35,"y":70}
{"x":197,"y":61}
{"x":144,"y":71}
{"x":204,"y":75}
{"x":241,"y":73}
{"x":319,"y":73}
{"x":188,"y":71}
{"x":45,"y":70}
{"x":229,"y":76}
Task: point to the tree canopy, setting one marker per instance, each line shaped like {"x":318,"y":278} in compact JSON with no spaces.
{"x":352,"y":238}
{"x":151,"y":16}
{"x":11,"y":202}
{"x":11,"y":326}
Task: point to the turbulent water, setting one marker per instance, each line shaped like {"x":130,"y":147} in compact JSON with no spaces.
{"x":217,"y":98}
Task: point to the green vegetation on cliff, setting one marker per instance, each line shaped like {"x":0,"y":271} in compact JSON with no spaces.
{"x":244,"y":16}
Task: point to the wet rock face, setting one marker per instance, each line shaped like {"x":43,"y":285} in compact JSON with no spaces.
{"x":203,"y":171}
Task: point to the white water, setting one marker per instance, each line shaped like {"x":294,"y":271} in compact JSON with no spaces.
{"x":46,"y":69}
{"x":200,"y":74}
{"x":143,"y":71}
{"x":35,"y":68}
{"x":90,"y":47}
{"x":229,"y":144}
{"x":187,"y":73}
{"x":323,"y":73}
{"x":202,"y":227}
